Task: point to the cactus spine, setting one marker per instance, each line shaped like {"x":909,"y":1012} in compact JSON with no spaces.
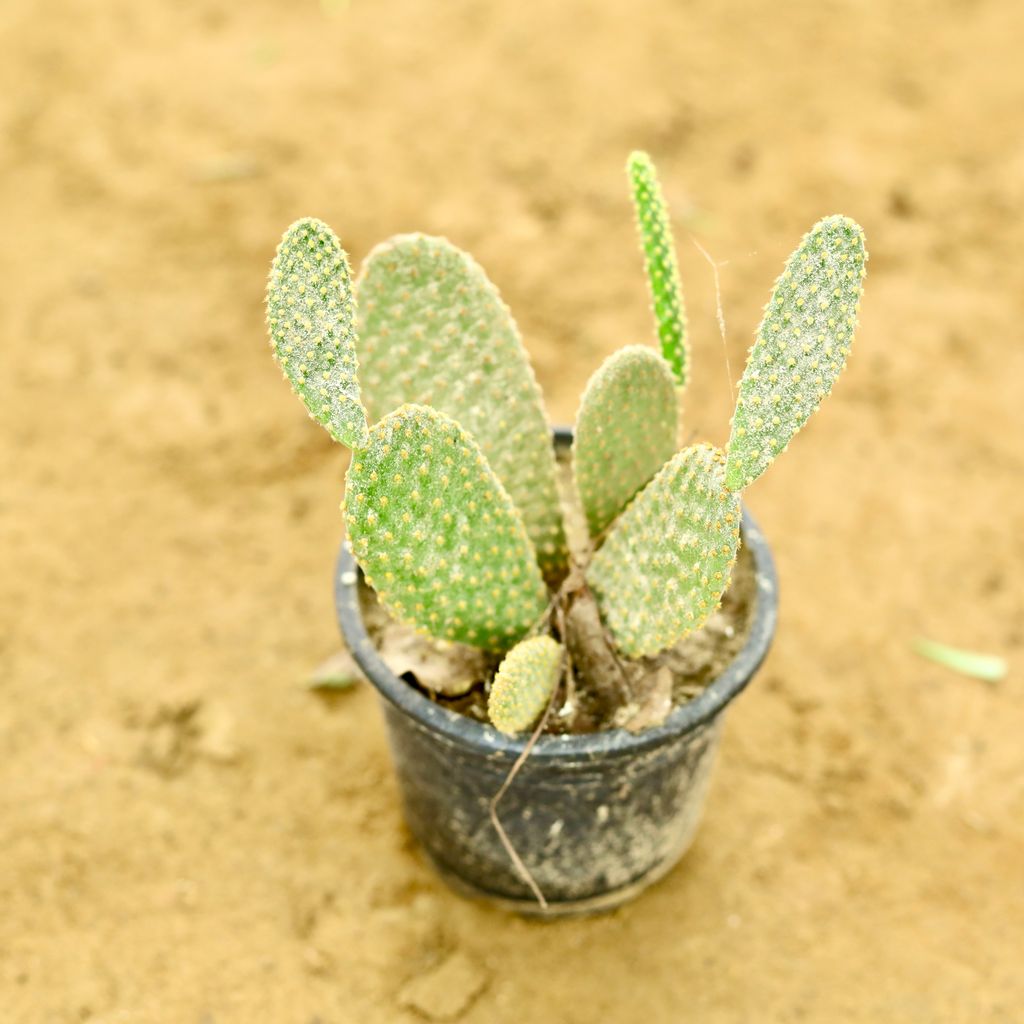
{"x":524,"y":683}
{"x":434,"y":331}
{"x":660,"y":262}
{"x":801,"y":346}
{"x":665,"y":563}
{"x":311,"y":314}
{"x":437,"y":535}
{"x":625,"y":432}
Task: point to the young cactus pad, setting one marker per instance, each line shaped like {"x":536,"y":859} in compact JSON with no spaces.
{"x":438,"y":536}
{"x":524,"y":683}
{"x":666,"y":562}
{"x":625,"y":431}
{"x":433,"y":330}
{"x":311,"y":313}
{"x":801,"y":346}
{"x":660,"y":261}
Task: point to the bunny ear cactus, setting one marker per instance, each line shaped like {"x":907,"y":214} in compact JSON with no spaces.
{"x":434,"y":331}
{"x":524,"y":683}
{"x":625,"y":432}
{"x":310,"y":314}
{"x":452,"y":504}
{"x":801,"y":346}
{"x":666,"y":562}
{"x":438,"y":536}
{"x":660,"y":262}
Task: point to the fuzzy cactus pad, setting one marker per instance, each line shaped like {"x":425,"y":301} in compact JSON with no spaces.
{"x":625,"y":431}
{"x":524,"y":684}
{"x":311,"y":318}
{"x":666,"y":562}
{"x":660,"y":262}
{"x":801,"y":346}
{"x":433,"y":330}
{"x":437,"y":536}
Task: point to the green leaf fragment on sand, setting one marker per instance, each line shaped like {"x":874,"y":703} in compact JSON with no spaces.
{"x":338,"y":672}
{"x":988,"y":667}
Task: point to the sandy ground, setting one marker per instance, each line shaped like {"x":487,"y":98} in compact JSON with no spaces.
{"x":189,"y":836}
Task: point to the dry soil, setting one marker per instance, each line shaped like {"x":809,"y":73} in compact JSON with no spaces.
{"x":187,"y":834}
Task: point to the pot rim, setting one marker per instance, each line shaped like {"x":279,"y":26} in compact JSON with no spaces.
{"x":465,"y":731}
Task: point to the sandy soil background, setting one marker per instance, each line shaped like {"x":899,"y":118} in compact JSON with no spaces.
{"x":187,"y":835}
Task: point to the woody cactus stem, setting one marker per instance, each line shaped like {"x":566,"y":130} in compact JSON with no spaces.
{"x":438,"y":536}
{"x":801,"y":346}
{"x":310,"y":314}
{"x":660,"y":262}
{"x":666,"y":562}
{"x":524,"y":683}
{"x":434,"y":331}
{"x":625,"y":432}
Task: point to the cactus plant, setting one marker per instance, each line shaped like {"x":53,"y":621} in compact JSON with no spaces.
{"x":524,"y":683}
{"x":451,"y":501}
{"x":625,"y":432}
{"x":660,"y":262}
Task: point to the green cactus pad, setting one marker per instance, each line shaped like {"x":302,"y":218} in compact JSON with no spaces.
{"x":311,"y":314}
{"x":524,"y":683}
{"x":433,"y":330}
{"x":666,"y":562}
{"x":438,"y":536}
{"x":625,"y":431}
{"x":801,"y":346}
{"x":660,"y":261}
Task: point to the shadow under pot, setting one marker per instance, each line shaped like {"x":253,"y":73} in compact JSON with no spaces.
{"x":595,"y":817}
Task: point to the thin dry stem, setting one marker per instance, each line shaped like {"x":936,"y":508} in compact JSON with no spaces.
{"x":517,"y":861}
{"x":719,"y":312}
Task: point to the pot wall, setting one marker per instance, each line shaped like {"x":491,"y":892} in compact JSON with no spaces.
{"x":587,"y":828}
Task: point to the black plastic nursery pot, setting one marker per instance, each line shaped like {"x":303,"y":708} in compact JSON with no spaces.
{"x":595,"y":818}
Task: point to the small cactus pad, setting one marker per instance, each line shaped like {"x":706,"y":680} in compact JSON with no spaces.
{"x":524,"y":683}
{"x":660,"y":261}
{"x":437,"y":535}
{"x":311,"y":314}
{"x":801,"y":346}
{"x":433,"y":330}
{"x":666,"y":562}
{"x":625,"y":431}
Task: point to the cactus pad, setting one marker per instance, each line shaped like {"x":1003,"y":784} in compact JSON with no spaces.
{"x":660,"y":262}
{"x":310,"y":314}
{"x":438,"y":536}
{"x":524,"y":683}
{"x":625,"y":431}
{"x":666,"y":562}
{"x":433,"y":330}
{"x":801,"y":346}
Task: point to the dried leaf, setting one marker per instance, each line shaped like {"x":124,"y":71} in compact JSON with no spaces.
{"x":653,"y":707}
